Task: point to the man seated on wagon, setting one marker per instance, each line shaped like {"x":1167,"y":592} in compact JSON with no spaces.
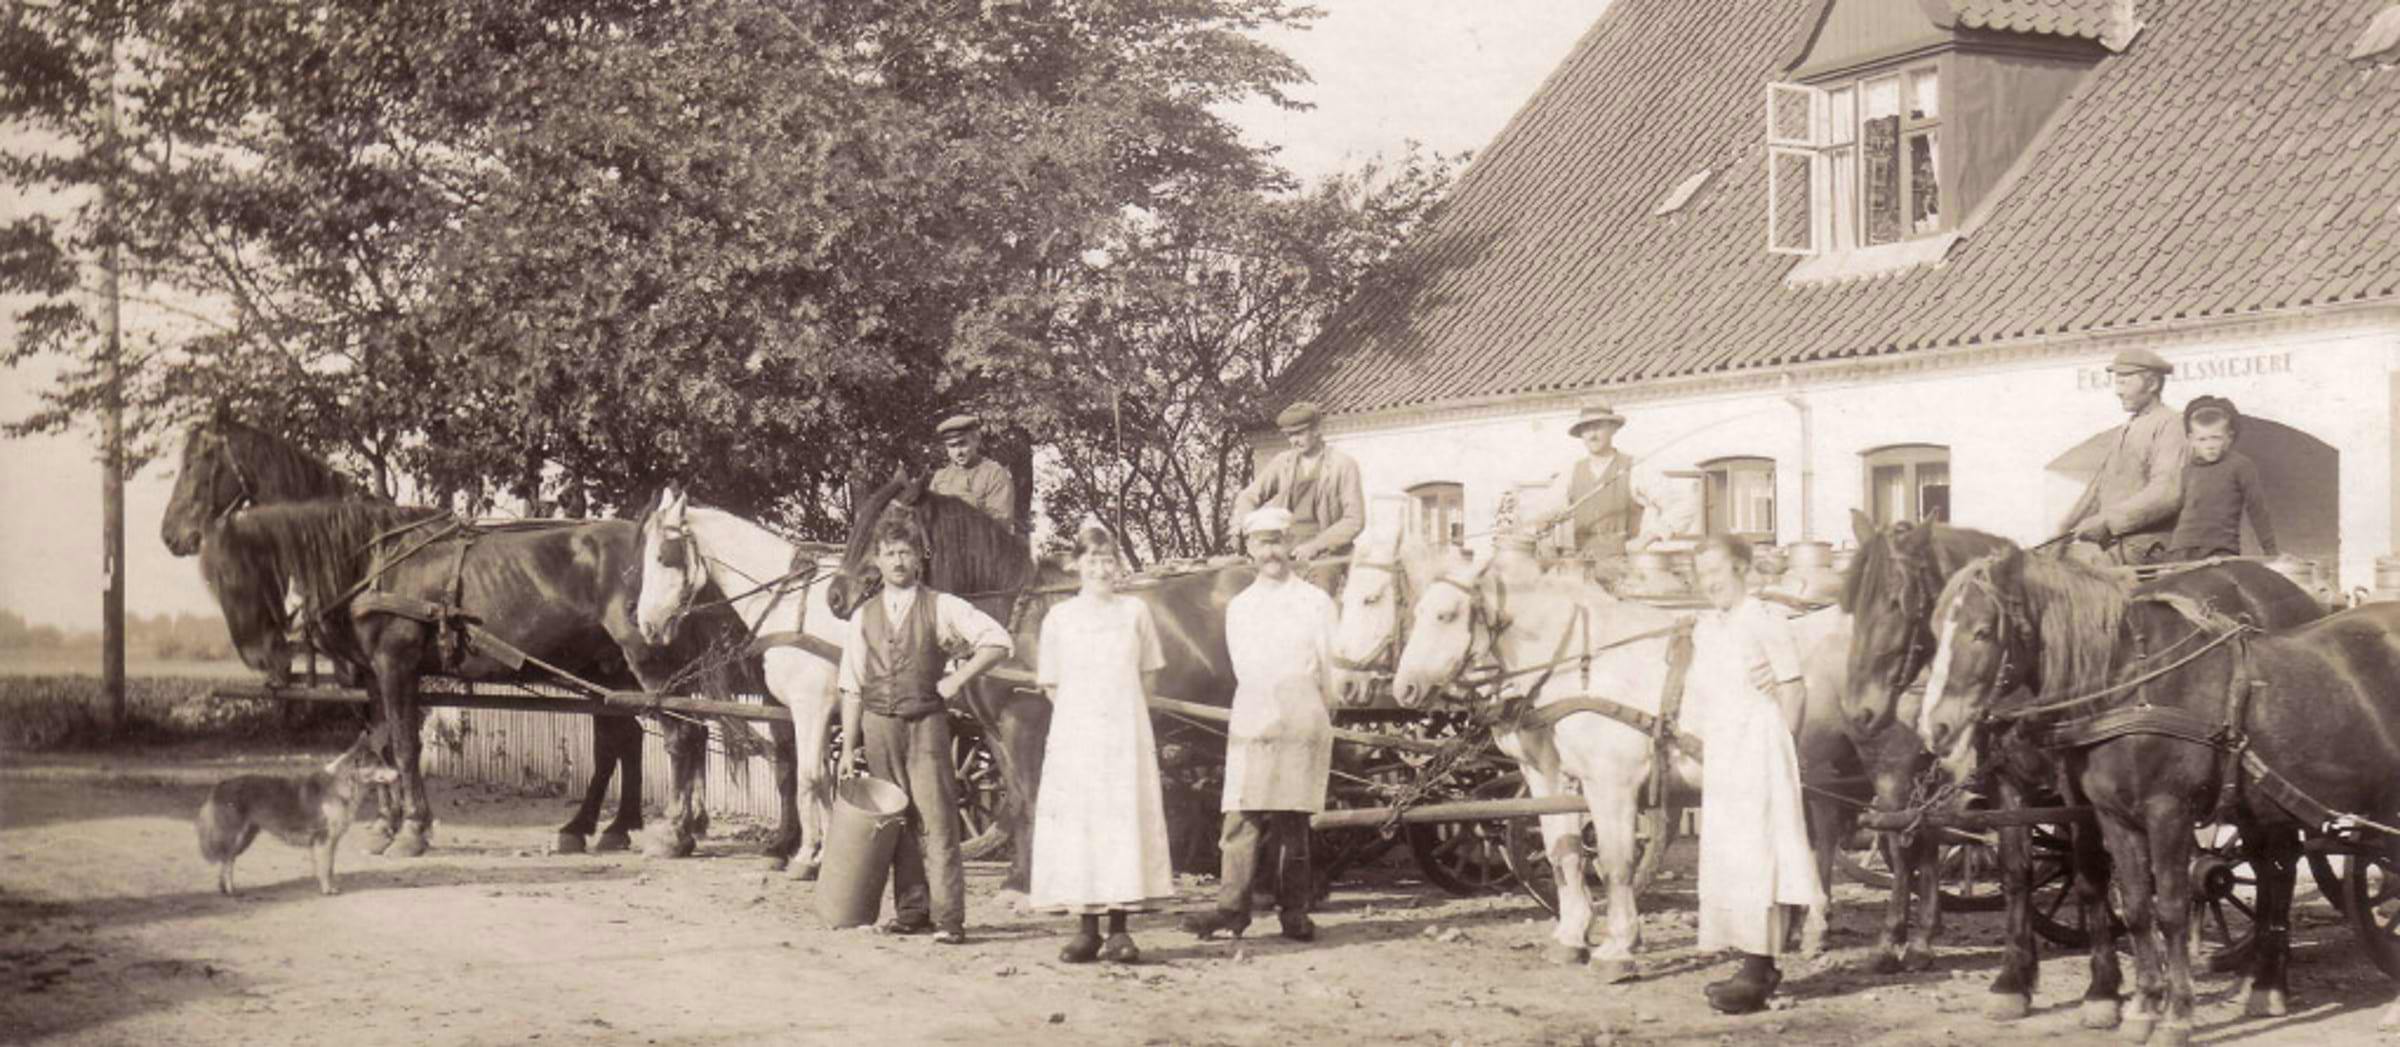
{"x":1318,"y":486}
{"x":2127,"y":514}
{"x":1602,"y":496}
{"x":970,"y":476}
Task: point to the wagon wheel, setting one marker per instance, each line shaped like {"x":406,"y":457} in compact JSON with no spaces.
{"x":2057,"y":911}
{"x":2371,"y":896}
{"x":981,"y":789}
{"x":2225,"y":900}
{"x":1367,"y":784}
{"x":1653,"y":832}
{"x":1970,"y":873}
{"x":1466,"y":858}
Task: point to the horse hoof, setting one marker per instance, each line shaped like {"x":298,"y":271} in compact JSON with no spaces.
{"x":2007,"y":1007}
{"x":801,"y":872}
{"x":2172,"y":1034}
{"x":1015,"y":901}
{"x":378,"y":839}
{"x":567,"y":843}
{"x":778,"y":862}
{"x":1917,"y":961}
{"x":2267,"y":1003}
{"x":614,"y":840}
{"x":1615,"y":972}
{"x":408,"y":844}
{"x":2100,"y":1014}
{"x":1884,"y":963}
{"x":1567,"y":955}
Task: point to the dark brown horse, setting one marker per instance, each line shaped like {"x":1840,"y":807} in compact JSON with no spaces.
{"x":2012,"y":624}
{"x":1890,"y":593}
{"x":392,"y":589}
{"x":228,"y":465}
{"x":987,"y":563}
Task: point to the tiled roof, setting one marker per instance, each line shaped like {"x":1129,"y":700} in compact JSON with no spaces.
{"x":2090,"y":19}
{"x":2230,"y":162}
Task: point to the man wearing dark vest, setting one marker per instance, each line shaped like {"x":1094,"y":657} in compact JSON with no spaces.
{"x":893,"y":695}
{"x":1597,"y":492}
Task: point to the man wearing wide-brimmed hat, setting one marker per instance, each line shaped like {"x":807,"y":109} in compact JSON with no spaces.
{"x":978,"y":480}
{"x":1318,"y":485}
{"x":2127,"y":514}
{"x":1597,"y":493}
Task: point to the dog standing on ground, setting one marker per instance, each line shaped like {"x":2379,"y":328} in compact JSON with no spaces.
{"x":311,"y":810}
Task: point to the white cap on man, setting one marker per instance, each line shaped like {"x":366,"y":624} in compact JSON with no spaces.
{"x":1271,"y":518}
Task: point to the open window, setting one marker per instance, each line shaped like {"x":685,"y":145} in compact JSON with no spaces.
{"x":1908,"y":482}
{"x":1739,"y":497}
{"x":1855,"y":162}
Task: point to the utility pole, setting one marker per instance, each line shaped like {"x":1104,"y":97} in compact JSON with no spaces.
{"x":112,"y":480}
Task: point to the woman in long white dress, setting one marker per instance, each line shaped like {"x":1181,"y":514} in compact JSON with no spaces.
{"x":1100,"y":828}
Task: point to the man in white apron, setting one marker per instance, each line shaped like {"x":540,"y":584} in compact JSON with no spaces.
{"x":1757,"y":872}
{"x":1279,"y":747}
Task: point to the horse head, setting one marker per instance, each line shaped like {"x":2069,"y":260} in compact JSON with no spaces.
{"x":1982,"y":651}
{"x":1374,"y":606}
{"x":673,"y":570}
{"x":1450,"y":614}
{"x":1888,"y":594}
{"x":208,"y":485}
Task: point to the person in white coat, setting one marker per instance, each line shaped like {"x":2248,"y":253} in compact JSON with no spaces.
{"x":1279,"y":746}
{"x":1757,"y":873}
{"x":1100,"y":832}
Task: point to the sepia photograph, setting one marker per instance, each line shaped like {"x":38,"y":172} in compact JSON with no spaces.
{"x":1200,"y":522}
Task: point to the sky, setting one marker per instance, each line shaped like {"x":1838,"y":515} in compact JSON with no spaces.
{"x":1446,"y":73}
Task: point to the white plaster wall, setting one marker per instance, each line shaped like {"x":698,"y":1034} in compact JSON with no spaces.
{"x":2003,"y":423}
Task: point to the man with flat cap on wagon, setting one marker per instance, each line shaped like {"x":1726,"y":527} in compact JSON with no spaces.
{"x":1317,"y":485}
{"x":2127,"y":514}
{"x":970,"y":476}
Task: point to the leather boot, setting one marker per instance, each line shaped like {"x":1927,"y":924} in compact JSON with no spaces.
{"x":1747,"y":991}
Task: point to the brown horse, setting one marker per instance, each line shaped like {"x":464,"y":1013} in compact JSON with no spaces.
{"x":2011,"y":623}
{"x":391,"y":590}
{"x":228,"y":465}
{"x":987,"y":563}
{"x":1890,"y":593}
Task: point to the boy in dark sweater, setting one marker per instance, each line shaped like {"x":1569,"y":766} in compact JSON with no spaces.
{"x":2220,"y":484}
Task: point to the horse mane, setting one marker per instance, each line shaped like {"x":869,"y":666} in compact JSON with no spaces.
{"x":281,"y":471}
{"x":2073,"y":610}
{"x":1895,"y":554}
{"x":971,"y":554}
{"x":319,"y":547}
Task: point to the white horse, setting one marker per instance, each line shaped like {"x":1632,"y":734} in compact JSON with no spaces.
{"x":1542,"y":627}
{"x":770,"y":585}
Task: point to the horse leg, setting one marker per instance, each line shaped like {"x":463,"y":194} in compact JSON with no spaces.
{"x":812,"y":712}
{"x":1923,"y":857}
{"x":2130,"y":866}
{"x":1562,"y":845}
{"x":1017,"y":726}
{"x":1615,"y":810}
{"x":2102,"y":1006}
{"x":2012,"y":990}
{"x":687,"y":759}
{"x":625,"y":745}
{"x":2275,"y":859}
{"x":399,"y":642}
{"x":2171,"y":849}
{"x":570,"y":838}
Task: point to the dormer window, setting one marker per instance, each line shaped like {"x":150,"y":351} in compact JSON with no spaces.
{"x":1855,"y":163}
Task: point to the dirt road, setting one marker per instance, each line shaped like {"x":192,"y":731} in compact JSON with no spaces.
{"x":111,"y":932}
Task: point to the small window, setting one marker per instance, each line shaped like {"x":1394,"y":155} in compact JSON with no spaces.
{"x":1438,"y":513}
{"x":1908,"y":482}
{"x":1855,"y":163}
{"x":1740,"y":497}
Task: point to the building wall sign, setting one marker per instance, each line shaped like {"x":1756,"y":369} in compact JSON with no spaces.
{"x":2246,"y":365}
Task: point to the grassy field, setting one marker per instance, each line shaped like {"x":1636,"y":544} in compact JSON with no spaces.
{"x":52,"y":700}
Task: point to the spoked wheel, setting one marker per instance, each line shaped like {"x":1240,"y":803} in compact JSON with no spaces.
{"x":2371,"y":898}
{"x":980,"y":786}
{"x":1970,"y":873}
{"x":1530,"y":861}
{"x":1467,"y":858}
{"x":2058,"y":913}
{"x":2225,"y":900}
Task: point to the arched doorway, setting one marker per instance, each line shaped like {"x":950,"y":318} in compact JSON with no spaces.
{"x":2303,"y":476}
